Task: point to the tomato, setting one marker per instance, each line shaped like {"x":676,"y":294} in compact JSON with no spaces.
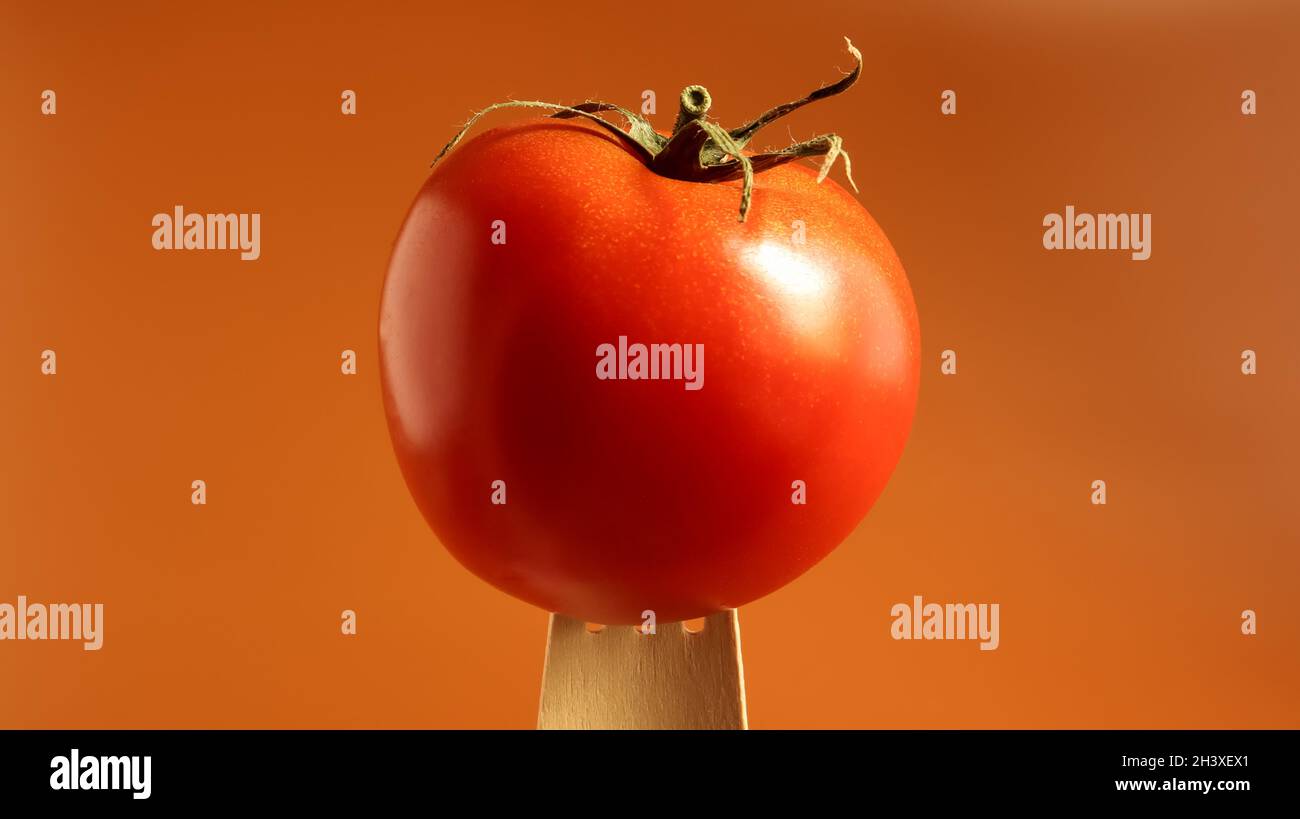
{"x":621,"y":495}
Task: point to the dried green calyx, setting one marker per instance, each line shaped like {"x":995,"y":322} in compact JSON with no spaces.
{"x":700,"y":150}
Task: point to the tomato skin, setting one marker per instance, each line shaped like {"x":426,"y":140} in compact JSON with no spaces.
{"x":630,"y":495}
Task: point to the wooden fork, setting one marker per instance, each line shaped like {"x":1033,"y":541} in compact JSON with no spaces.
{"x":619,"y":677}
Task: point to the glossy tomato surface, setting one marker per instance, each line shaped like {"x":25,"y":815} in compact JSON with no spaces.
{"x":623,"y":496}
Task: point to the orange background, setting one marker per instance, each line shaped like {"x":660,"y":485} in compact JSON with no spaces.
{"x":1072,"y":366}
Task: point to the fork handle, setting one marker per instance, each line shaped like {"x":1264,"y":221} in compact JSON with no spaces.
{"x":621,"y":678}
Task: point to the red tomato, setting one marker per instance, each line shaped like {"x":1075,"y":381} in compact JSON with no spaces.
{"x":624,"y":495}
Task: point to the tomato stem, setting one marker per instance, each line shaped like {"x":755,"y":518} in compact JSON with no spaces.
{"x":695,"y":103}
{"x":700,"y":150}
